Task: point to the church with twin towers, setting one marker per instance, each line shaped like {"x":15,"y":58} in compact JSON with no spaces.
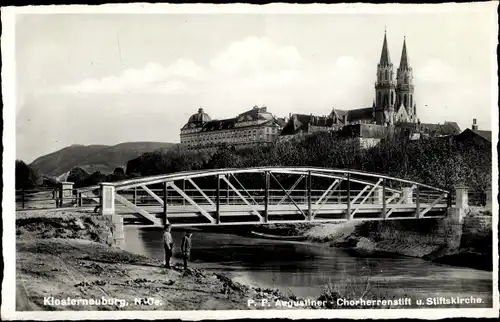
{"x":394,"y":93}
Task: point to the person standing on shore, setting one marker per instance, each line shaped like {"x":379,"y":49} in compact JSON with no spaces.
{"x":186,"y":247}
{"x":168,"y":244}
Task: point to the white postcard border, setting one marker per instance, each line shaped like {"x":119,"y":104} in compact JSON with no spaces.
{"x":8,"y":205}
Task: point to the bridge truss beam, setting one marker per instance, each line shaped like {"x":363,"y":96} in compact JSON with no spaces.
{"x":258,"y":196}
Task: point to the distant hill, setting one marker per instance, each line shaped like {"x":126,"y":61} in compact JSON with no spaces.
{"x":92,"y":158}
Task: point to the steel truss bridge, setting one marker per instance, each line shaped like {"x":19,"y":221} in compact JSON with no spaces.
{"x":266,"y":195}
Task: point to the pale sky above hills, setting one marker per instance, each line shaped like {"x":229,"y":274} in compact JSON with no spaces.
{"x":112,"y":78}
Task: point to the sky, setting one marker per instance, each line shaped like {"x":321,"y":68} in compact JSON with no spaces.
{"x":112,"y":78}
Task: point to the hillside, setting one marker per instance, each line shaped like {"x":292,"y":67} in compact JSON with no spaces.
{"x":94,"y":157}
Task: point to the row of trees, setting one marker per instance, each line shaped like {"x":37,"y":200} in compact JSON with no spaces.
{"x":440,"y":162}
{"x":82,"y":178}
{"x":28,"y":177}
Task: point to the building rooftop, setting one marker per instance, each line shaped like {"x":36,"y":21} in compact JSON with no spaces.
{"x":485,"y":134}
{"x":432,"y":129}
{"x":302,"y":123}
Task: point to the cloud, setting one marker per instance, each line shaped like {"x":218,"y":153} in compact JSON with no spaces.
{"x":255,"y":55}
{"x":347,"y":70}
{"x":153,"y":78}
{"x":436,"y":71}
{"x":251,"y":62}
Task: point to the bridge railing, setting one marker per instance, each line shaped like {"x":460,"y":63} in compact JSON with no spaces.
{"x":276,"y":196}
{"x":302,"y":191}
{"x":51,"y":198}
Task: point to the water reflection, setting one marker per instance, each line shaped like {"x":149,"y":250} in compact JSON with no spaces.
{"x":304,"y":269}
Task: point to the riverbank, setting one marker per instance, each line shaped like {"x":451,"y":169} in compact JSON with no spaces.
{"x":437,"y":240}
{"x":63,"y":262}
{"x":63,"y":255}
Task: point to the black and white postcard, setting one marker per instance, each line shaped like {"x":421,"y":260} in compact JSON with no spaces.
{"x":210,"y":161}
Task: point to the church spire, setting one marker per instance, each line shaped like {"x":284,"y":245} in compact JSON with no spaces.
{"x":404,"y":57}
{"x":385,"y":57}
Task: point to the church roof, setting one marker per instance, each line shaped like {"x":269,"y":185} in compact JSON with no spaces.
{"x":363,"y":131}
{"x":360,"y":114}
{"x":385,"y":58}
{"x":302,"y":122}
{"x":432,"y":129}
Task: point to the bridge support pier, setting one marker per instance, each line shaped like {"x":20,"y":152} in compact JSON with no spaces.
{"x":65,"y":193}
{"x":452,"y":224}
{"x":378,"y":195}
{"x":107,"y":199}
{"x":116,"y":237}
{"x":458,"y":211}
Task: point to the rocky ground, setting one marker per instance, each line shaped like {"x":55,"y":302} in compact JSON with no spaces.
{"x":82,"y":269}
{"x":61,"y":254}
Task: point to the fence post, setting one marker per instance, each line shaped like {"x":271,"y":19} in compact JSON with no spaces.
{"x":80,"y":199}
{"x":59,"y":200}
{"x":135,"y":196}
{"x":23,"y":197}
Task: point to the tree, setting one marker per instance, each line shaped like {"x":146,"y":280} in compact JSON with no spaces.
{"x":78,"y":176}
{"x":26,"y":176}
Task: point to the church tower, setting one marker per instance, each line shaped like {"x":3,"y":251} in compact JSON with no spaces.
{"x":405,"y":87}
{"x":385,"y":88}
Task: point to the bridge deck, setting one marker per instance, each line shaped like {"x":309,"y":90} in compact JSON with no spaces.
{"x":243,"y":214}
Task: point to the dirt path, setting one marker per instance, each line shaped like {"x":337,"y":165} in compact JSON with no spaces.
{"x":81,"y":269}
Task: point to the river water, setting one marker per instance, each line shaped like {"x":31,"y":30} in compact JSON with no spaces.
{"x":305,"y":269}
